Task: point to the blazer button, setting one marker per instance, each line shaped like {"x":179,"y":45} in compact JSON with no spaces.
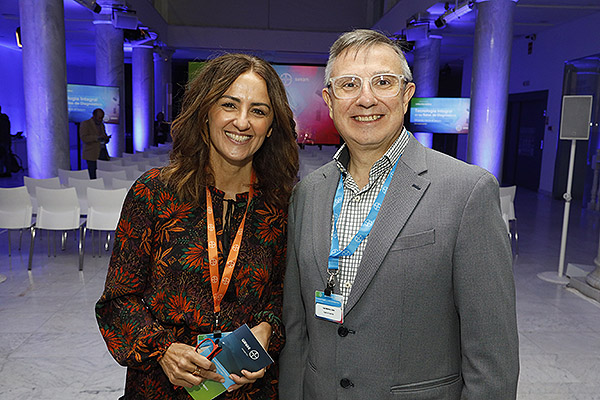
{"x":343,"y":331}
{"x":346,"y":383}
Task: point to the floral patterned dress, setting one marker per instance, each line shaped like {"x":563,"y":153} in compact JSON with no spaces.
{"x":158,"y":284}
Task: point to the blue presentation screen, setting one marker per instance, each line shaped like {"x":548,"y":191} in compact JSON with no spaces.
{"x":84,"y":99}
{"x":439,"y":114}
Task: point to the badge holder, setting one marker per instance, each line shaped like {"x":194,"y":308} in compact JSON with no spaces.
{"x":328,"y":305}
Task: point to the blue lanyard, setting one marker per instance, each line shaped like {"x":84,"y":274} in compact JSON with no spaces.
{"x":365,"y":229}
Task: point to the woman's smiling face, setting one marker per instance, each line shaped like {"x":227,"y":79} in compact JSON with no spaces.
{"x":240,"y":121}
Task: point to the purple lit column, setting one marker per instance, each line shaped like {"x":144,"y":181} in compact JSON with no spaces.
{"x":489,"y":84}
{"x":162,"y":81}
{"x":110,"y":71}
{"x":143,"y":97}
{"x":45,"y":86}
{"x":426,"y":75}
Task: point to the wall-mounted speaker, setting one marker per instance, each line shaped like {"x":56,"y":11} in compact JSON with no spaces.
{"x":575,"y":117}
{"x":124,"y":20}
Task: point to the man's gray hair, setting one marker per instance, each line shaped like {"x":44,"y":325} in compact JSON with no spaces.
{"x":359,"y":39}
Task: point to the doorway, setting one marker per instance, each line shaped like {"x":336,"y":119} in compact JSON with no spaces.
{"x":524,"y":139}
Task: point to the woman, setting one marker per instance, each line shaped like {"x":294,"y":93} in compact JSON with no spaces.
{"x":234,"y":152}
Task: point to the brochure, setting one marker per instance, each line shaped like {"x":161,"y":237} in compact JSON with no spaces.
{"x":241,"y":350}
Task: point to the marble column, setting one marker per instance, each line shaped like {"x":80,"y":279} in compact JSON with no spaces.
{"x":45,"y":86}
{"x":162,"y":81}
{"x":110,"y":71}
{"x":143,"y":97}
{"x":489,"y":84}
{"x":426,"y":75}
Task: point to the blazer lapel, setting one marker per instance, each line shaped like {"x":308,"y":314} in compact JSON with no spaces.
{"x":323,"y":195}
{"x":404,"y":194}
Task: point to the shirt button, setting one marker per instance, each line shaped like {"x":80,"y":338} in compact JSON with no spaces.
{"x":346,"y":383}
{"x":347,"y":285}
{"x":343,"y":331}
{"x":356,"y":199}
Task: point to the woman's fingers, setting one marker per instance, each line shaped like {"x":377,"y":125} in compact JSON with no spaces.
{"x":184,"y":367}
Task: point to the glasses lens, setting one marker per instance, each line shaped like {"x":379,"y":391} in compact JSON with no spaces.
{"x":385,"y":85}
{"x":346,"y":87}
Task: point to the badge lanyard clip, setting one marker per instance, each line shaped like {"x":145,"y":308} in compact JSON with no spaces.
{"x":330,"y":283}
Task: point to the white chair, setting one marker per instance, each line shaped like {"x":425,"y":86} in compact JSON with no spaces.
{"x":81,"y":186}
{"x":15,"y":211}
{"x":58,"y":210}
{"x":509,"y":209}
{"x":131,"y":157}
{"x":103,"y":215}
{"x":122,"y":183}
{"x":109,"y":165}
{"x":109,"y":175}
{"x":132,"y":172}
{"x":64,"y":174}
{"x":32,"y":183}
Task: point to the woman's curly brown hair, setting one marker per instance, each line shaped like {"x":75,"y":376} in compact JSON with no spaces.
{"x":275,"y":163}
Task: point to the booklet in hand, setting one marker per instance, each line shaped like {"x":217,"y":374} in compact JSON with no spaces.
{"x":240,"y":350}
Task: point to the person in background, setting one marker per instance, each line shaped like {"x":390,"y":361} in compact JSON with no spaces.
{"x":399,"y":279}
{"x":161,"y":129}
{"x":5,"y":145}
{"x":93,"y":135}
{"x":222,"y":200}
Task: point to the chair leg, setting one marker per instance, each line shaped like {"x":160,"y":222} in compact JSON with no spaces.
{"x":516,"y":236}
{"x":9,"y":246}
{"x":107,"y":244}
{"x":63,"y":242}
{"x":20,"y":238}
{"x":31,"y":247}
{"x":82,"y":231}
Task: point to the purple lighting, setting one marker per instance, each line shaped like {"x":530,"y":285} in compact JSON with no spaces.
{"x":489,"y":87}
{"x":143,"y":97}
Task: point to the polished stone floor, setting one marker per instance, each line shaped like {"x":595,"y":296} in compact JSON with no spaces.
{"x":50,"y":347}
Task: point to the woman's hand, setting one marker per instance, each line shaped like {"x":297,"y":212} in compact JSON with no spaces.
{"x":263,"y":332}
{"x":184,"y":367}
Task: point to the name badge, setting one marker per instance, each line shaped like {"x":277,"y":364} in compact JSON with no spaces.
{"x":329,"y":308}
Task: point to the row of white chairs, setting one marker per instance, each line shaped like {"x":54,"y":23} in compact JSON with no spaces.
{"x":109,"y":177}
{"x":59,"y":210}
{"x":105,"y":180}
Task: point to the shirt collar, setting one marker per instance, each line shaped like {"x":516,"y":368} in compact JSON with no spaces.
{"x":389,"y":158}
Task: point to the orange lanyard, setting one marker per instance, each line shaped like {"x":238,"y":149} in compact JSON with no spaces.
{"x":219,"y":290}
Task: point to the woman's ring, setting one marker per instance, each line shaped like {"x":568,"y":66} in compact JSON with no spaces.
{"x":196,"y":372}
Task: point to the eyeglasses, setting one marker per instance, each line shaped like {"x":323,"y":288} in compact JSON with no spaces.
{"x":214,"y":349}
{"x":350,"y":86}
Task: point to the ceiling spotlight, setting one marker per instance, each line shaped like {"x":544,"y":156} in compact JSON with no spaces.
{"x":453,"y":14}
{"x":90,"y":5}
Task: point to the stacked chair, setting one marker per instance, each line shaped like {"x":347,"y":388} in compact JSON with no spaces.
{"x":15,"y":211}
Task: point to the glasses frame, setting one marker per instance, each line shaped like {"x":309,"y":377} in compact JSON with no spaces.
{"x":330,"y":84}
{"x":215,"y":349}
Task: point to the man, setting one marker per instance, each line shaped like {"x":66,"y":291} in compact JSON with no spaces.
{"x":93,"y":135}
{"x":423,"y":307}
{"x":5,"y":145}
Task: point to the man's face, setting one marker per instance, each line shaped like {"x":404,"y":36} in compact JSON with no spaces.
{"x":368,"y":122}
{"x":98,"y":117}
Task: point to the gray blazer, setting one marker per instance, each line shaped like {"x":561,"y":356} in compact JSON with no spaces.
{"x":431,"y":314}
